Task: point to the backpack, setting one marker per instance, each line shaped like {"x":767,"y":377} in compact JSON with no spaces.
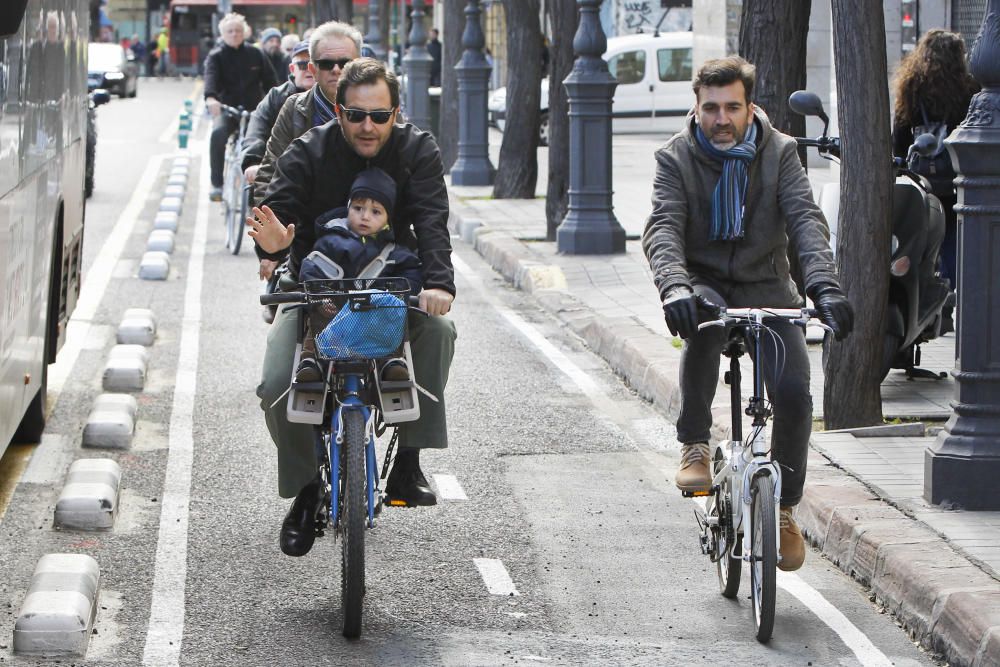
{"x":936,"y":168}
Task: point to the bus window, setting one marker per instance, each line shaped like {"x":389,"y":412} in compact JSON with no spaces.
{"x":10,"y":112}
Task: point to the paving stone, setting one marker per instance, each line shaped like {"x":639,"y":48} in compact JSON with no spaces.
{"x":166,"y":220}
{"x":171,"y":204}
{"x":111,"y":422}
{"x":160,"y":240}
{"x":155,"y":265}
{"x":174,"y":190}
{"x":57,"y":615}
{"x":138,"y":327}
{"x":89,"y":499}
{"x":126,"y":368}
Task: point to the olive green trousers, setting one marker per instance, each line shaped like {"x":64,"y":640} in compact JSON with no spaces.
{"x":432,"y":343}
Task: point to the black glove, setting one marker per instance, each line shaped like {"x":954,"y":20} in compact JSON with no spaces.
{"x":834,"y":309}
{"x":680,"y":310}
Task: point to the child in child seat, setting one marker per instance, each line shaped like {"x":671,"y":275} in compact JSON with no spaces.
{"x":348,"y":241}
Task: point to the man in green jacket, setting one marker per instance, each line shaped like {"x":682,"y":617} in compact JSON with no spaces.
{"x":730,"y":197}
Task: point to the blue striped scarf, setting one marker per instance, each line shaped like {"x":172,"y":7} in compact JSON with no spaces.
{"x":323,"y":112}
{"x":731,"y":190}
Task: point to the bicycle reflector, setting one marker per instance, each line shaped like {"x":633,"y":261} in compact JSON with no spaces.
{"x":900,"y":266}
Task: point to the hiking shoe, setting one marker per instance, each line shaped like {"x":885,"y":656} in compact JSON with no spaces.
{"x":694,"y":473}
{"x":215,"y":194}
{"x":793,"y":548}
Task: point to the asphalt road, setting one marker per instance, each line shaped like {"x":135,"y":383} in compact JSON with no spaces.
{"x":567,"y":478}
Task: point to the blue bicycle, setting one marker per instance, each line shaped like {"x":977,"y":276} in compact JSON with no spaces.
{"x":358,"y":324}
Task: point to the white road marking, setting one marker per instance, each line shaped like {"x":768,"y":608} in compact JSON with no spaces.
{"x":558,"y":359}
{"x":866,"y":652}
{"x":494,"y":574}
{"x":97,"y":279}
{"x":449,"y":488}
{"x":166,"y":615}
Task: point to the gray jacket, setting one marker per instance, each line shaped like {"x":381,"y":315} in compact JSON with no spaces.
{"x":294,"y":120}
{"x":779,"y":214}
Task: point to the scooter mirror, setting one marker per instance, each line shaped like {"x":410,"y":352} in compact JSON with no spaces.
{"x":808,"y":104}
{"x":925,"y":144}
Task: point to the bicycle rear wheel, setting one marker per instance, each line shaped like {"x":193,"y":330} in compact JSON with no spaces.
{"x":764,"y":554}
{"x":728,"y":568}
{"x":353,"y":518}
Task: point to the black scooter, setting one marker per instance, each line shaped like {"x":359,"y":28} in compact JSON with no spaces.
{"x":917,"y":293}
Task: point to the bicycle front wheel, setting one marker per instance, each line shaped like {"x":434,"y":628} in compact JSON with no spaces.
{"x":236,"y":221}
{"x":353,"y":518}
{"x":764,"y":555}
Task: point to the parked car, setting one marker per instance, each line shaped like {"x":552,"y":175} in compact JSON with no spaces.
{"x":654,"y":85}
{"x":112,"y":67}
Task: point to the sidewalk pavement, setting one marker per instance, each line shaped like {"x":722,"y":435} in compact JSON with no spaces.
{"x":936,"y":570}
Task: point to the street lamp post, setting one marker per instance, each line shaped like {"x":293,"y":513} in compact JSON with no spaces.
{"x":417,"y":65}
{"x":374,"y":37}
{"x":473,"y":166}
{"x":590,"y":226}
{"x":961,"y":468}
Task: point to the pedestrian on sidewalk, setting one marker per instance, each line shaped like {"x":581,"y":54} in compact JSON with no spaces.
{"x":729,"y":198}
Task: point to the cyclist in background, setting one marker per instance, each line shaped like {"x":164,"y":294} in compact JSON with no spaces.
{"x":237,"y":75}
{"x":331,"y":46}
{"x":728,"y":163}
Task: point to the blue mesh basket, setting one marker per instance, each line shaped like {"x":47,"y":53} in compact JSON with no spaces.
{"x":370,"y":325}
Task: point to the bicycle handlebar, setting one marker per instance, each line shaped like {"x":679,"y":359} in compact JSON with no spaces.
{"x":276,"y":298}
{"x":236,"y":112}
{"x":798,"y":316}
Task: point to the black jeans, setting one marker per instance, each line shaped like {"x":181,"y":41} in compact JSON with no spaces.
{"x":222,"y":127}
{"x":789,"y":394}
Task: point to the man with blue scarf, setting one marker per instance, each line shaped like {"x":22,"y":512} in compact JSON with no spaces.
{"x":730,"y":200}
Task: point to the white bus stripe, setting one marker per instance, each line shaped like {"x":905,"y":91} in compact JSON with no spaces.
{"x":449,"y":488}
{"x":867,"y":653}
{"x":98,"y":276}
{"x":166,"y":614}
{"x":495,"y":576}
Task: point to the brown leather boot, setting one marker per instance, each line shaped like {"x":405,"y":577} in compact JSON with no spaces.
{"x":793,"y":549}
{"x":694,"y":473}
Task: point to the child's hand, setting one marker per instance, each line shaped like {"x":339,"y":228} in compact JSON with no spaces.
{"x":268,"y":232}
{"x":436,"y":301}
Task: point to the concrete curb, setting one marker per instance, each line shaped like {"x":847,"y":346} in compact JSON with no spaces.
{"x":58,"y":612}
{"x":945,"y":603}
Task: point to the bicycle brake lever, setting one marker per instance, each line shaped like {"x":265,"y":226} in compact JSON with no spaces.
{"x":712,"y":323}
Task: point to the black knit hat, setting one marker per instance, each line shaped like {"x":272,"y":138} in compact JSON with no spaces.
{"x":375,"y":184}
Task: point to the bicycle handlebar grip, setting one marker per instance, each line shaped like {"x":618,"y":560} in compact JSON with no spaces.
{"x":281,"y":297}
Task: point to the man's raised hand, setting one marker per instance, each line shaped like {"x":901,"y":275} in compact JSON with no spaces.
{"x":268,"y":232}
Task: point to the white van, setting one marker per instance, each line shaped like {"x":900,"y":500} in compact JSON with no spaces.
{"x":654,"y":84}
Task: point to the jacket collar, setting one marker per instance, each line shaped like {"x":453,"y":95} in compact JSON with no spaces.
{"x":764,"y":127}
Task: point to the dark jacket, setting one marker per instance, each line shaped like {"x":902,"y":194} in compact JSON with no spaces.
{"x":780,"y":213}
{"x":315,"y":174}
{"x":279,"y":63}
{"x":294,"y":119}
{"x":353,"y":253}
{"x":262,"y":121}
{"x":238,"y":77}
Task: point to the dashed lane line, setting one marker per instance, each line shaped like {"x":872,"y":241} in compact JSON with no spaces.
{"x":449,"y":488}
{"x":166,"y":614}
{"x":495,"y":576}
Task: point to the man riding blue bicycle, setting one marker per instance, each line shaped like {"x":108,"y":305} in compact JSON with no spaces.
{"x":312,"y":176}
{"x":730,"y":198}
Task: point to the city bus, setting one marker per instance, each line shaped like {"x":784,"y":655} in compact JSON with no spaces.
{"x":43,"y":112}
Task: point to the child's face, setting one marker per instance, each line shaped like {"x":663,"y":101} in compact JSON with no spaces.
{"x":366,"y":217}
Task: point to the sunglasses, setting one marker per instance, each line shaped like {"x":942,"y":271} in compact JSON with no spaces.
{"x":301,"y":64}
{"x":380,"y":117}
{"x":326,"y":64}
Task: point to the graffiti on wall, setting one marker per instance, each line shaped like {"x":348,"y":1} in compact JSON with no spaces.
{"x":644,"y":15}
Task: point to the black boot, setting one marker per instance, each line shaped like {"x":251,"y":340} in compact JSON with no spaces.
{"x":407,"y":483}
{"x":298,"y":530}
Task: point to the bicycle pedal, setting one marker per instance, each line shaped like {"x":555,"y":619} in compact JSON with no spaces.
{"x":699,"y":494}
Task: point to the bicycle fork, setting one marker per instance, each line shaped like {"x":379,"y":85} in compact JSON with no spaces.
{"x":351,"y":401}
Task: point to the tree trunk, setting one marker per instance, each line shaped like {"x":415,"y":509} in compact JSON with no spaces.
{"x":344,"y":11}
{"x":563,"y":19}
{"x":517,"y":173}
{"x":780,"y":71}
{"x":385,"y":23}
{"x":451,"y":53}
{"x":853,"y":372}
